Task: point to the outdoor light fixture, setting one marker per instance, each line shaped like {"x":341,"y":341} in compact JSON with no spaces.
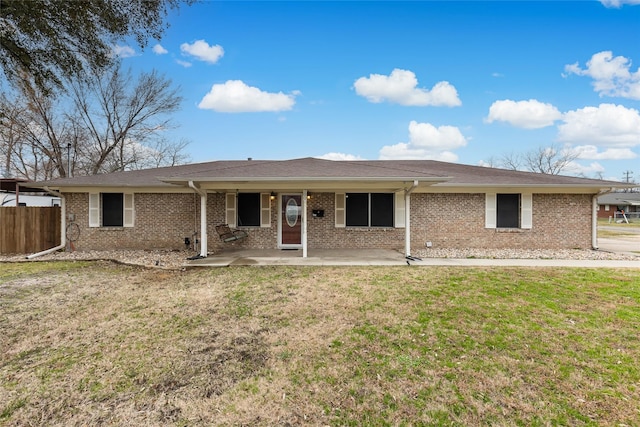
{"x":273,"y":195}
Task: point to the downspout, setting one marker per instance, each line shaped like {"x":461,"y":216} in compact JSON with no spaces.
{"x":63,"y":226}
{"x":407,"y":216}
{"x":594,"y":217}
{"x":203,"y":219}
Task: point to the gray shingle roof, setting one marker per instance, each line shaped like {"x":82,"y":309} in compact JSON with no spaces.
{"x":309,"y":169}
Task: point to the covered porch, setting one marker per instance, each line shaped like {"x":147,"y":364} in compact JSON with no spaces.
{"x":240,"y":257}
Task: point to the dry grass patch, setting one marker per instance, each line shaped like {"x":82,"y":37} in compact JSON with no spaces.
{"x":99,"y":344}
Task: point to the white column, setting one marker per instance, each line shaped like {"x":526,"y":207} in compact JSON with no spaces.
{"x":594,"y":222}
{"x":203,"y":224}
{"x":304,"y":223}
{"x":407,"y":223}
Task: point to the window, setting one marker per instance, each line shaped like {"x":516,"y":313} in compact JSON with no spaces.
{"x":508,"y":210}
{"x":111,"y":210}
{"x":369,"y":209}
{"x":248,"y":209}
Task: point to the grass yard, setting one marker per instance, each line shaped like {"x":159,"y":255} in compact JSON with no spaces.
{"x":105,"y":344}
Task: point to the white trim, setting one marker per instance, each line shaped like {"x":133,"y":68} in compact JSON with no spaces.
{"x":128,"y":215}
{"x":94,"y":209}
{"x":526,"y":211}
{"x":340,"y":211}
{"x":400,"y":209}
{"x":265,"y":210}
{"x":231,"y":202}
{"x":490,"y":213}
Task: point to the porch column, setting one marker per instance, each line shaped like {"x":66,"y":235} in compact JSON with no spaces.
{"x":407,"y":224}
{"x":203,"y":219}
{"x":203,"y":225}
{"x":304,"y":223}
{"x":407,"y":218}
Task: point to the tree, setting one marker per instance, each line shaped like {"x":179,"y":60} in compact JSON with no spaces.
{"x":50,"y":41}
{"x":550,"y":160}
{"x":121,"y":116}
{"x":104,"y":123}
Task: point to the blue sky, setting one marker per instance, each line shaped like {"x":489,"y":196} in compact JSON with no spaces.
{"x":465,"y":82}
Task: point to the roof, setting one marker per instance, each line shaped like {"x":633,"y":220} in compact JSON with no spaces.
{"x":313,"y":170}
{"x":620,"y":199}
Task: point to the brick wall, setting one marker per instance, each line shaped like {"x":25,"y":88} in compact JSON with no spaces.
{"x":162,"y":221}
{"x":457,"y":221}
{"x":322,"y":233}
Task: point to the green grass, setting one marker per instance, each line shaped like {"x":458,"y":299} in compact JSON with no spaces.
{"x":108,"y":344}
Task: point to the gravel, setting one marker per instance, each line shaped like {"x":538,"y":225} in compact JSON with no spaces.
{"x":177,"y":259}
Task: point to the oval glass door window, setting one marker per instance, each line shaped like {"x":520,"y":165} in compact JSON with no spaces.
{"x":292,"y":212}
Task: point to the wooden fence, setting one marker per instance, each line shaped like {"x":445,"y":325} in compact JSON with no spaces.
{"x":26,"y":230}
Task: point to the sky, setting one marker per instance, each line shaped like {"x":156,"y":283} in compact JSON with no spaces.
{"x":464,"y":82}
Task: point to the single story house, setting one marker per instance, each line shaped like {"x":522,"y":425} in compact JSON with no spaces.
{"x":612,"y":205}
{"x":312,"y":203}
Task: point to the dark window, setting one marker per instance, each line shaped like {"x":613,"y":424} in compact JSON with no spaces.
{"x":112,"y":210}
{"x":248,"y":209}
{"x":369,"y":210}
{"x":382,"y":209}
{"x":508,"y":211}
{"x":357,"y":209}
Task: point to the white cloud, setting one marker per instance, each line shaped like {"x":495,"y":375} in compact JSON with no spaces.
{"x":531,"y":114}
{"x":234,"y":96}
{"x":612,"y":76}
{"x":400,"y":87}
{"x":574,"y":168}
{"x":159,"y":50}
{"x":592,"y":152}
{"x":123,"y":51}
{"x":185,"y":64}
{"x":201,"y":50}
{"x":608,"y":124}
{"x":427,"y":142}
{"x":339,"y":156}
{"x":618,"y":3}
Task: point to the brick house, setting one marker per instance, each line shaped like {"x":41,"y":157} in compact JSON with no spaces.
{"x":612,"y":205}
{"x":311,"y":203}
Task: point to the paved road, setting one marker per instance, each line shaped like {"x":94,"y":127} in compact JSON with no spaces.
{"x":629,"y":242}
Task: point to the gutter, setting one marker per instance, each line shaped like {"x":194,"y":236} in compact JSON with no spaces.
{"x":594,"y":216}
{"x":63,"y":226}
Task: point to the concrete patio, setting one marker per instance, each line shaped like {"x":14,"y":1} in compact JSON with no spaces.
{"x":380,"y":257}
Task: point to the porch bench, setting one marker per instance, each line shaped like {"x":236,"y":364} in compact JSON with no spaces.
{"x":228,"y":235}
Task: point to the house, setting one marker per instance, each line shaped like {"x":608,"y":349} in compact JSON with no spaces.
{"x":312,"y":203}
{"x":612,"y":205}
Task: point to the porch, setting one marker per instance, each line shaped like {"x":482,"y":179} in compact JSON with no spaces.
{"x":238,"y":257}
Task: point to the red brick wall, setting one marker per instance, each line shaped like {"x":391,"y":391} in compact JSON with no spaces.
{"x":162,"y":221}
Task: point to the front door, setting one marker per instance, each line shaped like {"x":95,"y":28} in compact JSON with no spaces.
{"x":291,"y":220}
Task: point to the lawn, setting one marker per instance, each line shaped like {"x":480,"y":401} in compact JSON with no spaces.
{"x":106,"y":344}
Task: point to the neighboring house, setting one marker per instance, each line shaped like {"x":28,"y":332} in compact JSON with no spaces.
{"x":312,"y":203}
{"x":612,"y":205}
